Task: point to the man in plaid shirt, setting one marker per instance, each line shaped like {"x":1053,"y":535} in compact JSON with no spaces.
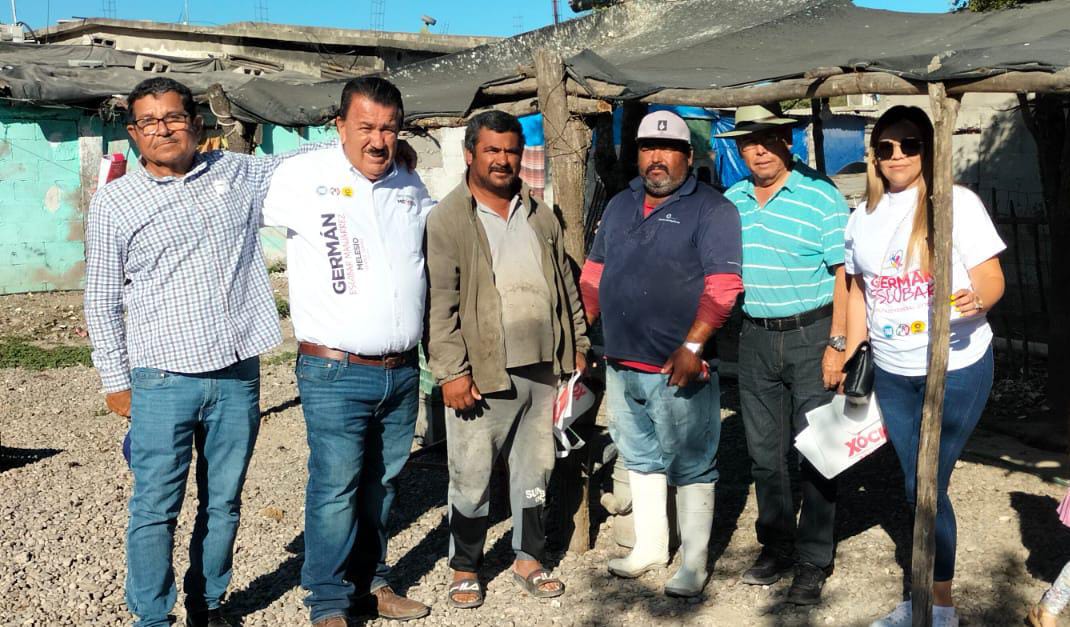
{"x":176,"y":246}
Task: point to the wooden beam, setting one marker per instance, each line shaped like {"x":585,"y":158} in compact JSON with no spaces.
{"x":576,"y":104}
{"x":821,"y":83}
{"x":567,"y":140}
{"x":945,"y":110}
{"x":523,"y":86}
{"x":818,"y":83}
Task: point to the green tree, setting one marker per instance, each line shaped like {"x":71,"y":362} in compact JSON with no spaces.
{"x":979,"y":6}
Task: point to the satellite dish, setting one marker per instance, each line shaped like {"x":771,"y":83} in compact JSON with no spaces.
{"x":428,"y":20}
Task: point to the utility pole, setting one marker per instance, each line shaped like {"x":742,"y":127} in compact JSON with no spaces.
{"x":14,"y":15}
{"x":557,"y":17}
{"x":378,"y":14}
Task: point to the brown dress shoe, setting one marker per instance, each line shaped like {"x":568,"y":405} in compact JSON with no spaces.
{"x":389,"y":604}
{"x":334,"y":621}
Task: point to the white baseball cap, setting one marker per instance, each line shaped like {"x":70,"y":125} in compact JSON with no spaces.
{"x":664,"y":125}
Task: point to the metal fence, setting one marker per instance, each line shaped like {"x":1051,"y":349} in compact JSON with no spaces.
{"x":1020,"y":322}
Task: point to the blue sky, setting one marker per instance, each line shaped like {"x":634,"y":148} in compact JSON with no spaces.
{"x":458,"y":17}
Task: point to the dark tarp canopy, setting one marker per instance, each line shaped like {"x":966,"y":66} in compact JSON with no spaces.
{"x":650,"y":45}
{"x":87,"y":75}
{"x":643,"y":46}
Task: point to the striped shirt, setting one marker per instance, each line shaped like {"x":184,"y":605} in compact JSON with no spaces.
{"x":791,"y":244}
{"x":181,"y":257}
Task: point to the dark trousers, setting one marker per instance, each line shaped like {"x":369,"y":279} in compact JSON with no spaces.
{"x":779,"y":381}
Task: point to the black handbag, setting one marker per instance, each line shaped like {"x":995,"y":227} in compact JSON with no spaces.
{"x":858,"y":372}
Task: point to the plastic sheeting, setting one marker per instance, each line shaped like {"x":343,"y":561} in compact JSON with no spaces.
{"x":642,"y":45}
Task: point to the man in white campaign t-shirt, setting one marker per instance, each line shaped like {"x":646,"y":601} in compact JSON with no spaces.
{"x":897,"y":298}
{"x":354,"y":248}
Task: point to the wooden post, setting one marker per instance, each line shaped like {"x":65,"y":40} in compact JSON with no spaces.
{"x":567,"y":140}
{"x":945,"y":110}
{"x":817,"y":128}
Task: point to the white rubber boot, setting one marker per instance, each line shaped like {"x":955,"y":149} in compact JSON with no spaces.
{"x":651,"y":550}
{"x":694,"y":509}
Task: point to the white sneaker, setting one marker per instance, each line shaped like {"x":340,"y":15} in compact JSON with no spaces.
{"x":901,"y":616}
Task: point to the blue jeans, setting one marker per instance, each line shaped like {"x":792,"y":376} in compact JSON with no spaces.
{"x":901,"y":398}
{"x":219,"y":414}
{"x":360,"y":421}
{"x":663,"y":429}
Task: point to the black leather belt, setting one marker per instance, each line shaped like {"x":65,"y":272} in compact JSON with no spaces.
{"x":790,"y":323}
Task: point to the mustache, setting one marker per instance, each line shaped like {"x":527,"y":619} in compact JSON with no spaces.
{"x":504,"y":169}
{"x":656,"y":167}
{"x":377,"y":152}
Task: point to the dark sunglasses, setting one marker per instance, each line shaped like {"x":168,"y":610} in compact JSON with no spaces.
{"x":909,"y":146}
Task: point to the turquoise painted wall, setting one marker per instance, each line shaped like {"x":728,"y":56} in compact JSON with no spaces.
{"x":41,"y":212}
{"x":40,"y":195}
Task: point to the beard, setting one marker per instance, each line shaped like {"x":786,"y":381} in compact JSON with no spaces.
{"x":660,"y":188}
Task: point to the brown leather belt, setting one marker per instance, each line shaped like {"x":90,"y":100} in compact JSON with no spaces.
{"x":395,"y":360}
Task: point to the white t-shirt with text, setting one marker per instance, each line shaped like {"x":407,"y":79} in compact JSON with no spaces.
{"x":897,"y":296}
{"x":354,"y":252}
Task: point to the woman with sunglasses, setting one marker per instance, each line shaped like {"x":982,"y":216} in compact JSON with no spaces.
{"x":889,"y":261}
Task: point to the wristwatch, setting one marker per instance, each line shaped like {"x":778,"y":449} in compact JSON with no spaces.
{"x":838,"y":343}
{"x":694,"y":347}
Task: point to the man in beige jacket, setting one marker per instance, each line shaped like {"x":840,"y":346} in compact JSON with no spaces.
{"x":505,"y":324}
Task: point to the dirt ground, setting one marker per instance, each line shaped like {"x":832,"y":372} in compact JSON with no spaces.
{"x":64,"y":488}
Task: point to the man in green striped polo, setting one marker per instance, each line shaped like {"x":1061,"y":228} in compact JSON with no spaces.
{"x":792,"y":342}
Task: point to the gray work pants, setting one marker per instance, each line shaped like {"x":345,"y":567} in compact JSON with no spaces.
{"x":517,"y":423}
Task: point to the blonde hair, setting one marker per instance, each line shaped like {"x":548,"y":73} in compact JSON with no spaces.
{"x":921,"y":231}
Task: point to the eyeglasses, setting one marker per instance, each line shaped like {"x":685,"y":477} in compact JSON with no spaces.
{"x":909,"y":146}
{"x":767,"y":140}
{"x":173,"y":122}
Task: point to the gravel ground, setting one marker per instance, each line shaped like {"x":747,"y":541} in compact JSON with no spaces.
{"x":64,"y":488}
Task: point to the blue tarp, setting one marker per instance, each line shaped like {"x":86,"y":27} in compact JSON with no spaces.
{"x":730,"y":166}
{"x":846,"y":145}
{"x":532,"y":125}
{"x":844,"y":141}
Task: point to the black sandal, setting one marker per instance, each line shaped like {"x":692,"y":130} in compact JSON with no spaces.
{"x":531,"y":584}
{"x":465,"y":586}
